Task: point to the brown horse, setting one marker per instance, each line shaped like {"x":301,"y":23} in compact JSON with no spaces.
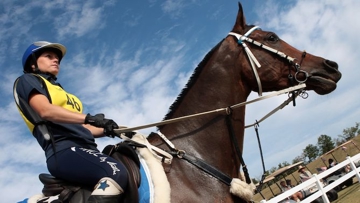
{"x":226,"y":77}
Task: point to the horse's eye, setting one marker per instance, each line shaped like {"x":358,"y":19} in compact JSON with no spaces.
{"x":272,"y":37}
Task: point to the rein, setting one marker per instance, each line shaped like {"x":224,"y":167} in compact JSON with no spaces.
{"x":174,"y":120}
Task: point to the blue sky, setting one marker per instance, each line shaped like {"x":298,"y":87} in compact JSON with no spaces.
{"x":130,"y":60}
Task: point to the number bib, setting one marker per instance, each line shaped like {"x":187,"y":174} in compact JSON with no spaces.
{"x":59,"y":97}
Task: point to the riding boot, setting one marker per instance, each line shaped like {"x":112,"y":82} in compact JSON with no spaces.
{"x":106,"y":191}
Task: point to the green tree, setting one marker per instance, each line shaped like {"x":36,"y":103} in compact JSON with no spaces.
{"x":298,"y":159}
{"x":349,"y":133}
{"x":325,"y":144}
{"x":283,"y":164}
{"x":338,"y":141}
{"x":311,"y":152}
{"x":272,"y":169}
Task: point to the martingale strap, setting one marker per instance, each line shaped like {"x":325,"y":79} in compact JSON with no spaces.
{"x":204,"y":166}
{"x":201,"y":164}
{"x":237,"y":148}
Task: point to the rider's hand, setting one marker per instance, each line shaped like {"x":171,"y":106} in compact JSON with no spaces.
{"x":129,"y":134}
{"x":100,"y":121}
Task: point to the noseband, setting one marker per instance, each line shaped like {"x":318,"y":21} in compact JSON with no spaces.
{"x":254,"y":61}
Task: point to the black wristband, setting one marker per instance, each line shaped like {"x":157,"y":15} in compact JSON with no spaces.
{"x":98,"y":120}
{"x":87,"y":118}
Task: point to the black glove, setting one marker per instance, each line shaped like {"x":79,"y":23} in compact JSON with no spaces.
{"x":129,"y":134}
{"x":100,"y":121}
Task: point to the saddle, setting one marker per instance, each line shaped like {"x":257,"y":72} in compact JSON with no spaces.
{"x":73,"y":193}
{"x":67,"y":192}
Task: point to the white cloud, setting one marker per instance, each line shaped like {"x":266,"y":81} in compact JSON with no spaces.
{"x":19,"y":182}
{"x":173,"y":7}
{"x":79,"y":19}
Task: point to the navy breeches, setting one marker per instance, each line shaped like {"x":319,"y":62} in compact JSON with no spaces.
{"x":86,"y":167}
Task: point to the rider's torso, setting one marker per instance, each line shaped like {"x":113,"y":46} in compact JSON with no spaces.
{"x":65,"y":135}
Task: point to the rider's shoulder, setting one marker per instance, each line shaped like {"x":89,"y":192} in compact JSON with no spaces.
{"x":28,"y":76}
{"x":29,"y":79}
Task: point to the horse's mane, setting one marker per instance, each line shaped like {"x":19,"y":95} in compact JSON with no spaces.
{"x":190,"y":82}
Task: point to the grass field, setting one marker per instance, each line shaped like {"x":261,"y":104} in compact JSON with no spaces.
{"x":347,"y":195}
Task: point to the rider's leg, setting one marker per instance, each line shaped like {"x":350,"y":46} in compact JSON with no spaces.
{"x":88,"y":167}
{"x":106,"y":191}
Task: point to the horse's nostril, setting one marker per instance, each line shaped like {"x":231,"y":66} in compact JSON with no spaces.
{"x":331,"y":64}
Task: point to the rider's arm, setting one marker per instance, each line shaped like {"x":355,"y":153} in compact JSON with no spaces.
{"x":96,"y":132}
{"x":53,"y":113}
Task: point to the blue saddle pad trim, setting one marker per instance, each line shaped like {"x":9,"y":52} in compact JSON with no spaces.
{"x":24,"y":201}
{"x":144,"y":189}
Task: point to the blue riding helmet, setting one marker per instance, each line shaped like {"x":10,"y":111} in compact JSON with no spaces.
{"x":41,"y":45}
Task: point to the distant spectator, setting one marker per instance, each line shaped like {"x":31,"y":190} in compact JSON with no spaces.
{"x":346,"y":169}
{"x":331,"y":163}
{"x":321,"y":169}
{"x":296,"y":197}
{"x":304,"y":174}
{"x":288,"y":182}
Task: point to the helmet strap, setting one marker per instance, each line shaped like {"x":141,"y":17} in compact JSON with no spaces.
{"x":34,"y":59}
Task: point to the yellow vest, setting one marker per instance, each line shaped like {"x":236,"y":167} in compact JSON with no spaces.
{"x":58,"y":97}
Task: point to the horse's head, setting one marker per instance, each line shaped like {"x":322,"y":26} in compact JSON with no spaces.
{"x":281,"y":64}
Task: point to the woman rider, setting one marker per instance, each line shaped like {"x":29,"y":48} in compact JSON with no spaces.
{"x":55,"y":119}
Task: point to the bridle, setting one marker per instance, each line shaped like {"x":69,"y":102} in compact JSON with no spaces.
{"x":254,"y":62}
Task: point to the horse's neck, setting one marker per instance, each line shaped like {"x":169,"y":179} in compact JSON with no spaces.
{"x":207,"y":136}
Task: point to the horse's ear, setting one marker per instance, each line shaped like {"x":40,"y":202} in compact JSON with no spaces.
{"x":240,"y":23}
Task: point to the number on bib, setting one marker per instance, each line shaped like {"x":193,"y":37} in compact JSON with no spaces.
{"x":72,"y":102}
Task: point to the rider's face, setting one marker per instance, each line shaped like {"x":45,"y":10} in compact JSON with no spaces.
{"x":48,"y":62}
